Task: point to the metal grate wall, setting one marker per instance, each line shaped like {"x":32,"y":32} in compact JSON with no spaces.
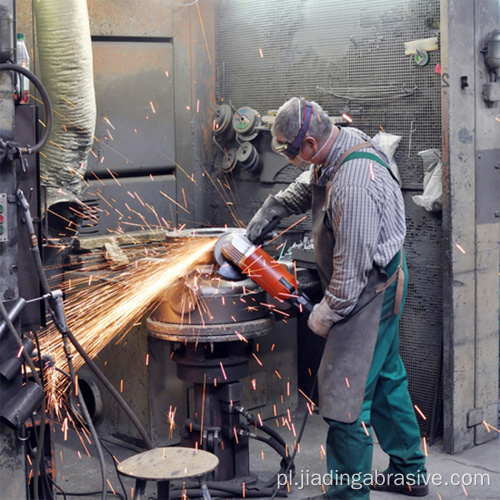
{"x":350,"y":58}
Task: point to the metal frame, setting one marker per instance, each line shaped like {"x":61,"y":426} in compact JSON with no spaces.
{"x":471,"y":256}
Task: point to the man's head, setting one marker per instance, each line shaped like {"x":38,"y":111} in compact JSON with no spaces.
{"x":300,"y":130}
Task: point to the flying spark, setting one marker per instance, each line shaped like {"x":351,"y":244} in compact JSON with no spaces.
{"x":371,"y":172}
{"x":365,"y":429}
{"x":96,"y":314}
{"x":489,"y":427}
{"x":460,"y":248}
{"x":420,"y":412}
{"x":223,"y":371}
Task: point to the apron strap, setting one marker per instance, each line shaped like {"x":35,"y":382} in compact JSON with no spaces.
{"x":398,"y":275}
{"x":371,"y":156}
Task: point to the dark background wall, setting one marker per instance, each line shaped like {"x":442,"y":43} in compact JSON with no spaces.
{"x":350,"y":58}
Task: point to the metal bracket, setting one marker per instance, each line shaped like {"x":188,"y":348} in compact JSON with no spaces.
{"x":491,"y":91}
{"x":488,"y":186}
{"x":474,"y":417}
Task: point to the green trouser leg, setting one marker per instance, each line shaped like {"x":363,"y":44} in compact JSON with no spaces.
{"x":387,"y":407}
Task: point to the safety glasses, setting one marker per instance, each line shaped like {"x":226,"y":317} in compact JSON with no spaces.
{"x":284,"y":149}
{"x":288,"y":150}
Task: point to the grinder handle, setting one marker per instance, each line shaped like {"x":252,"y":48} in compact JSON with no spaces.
{"x":304,"y":301}
{"x":260,"y":240}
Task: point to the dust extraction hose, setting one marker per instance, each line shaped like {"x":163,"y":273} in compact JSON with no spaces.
{"x":66,"y":69}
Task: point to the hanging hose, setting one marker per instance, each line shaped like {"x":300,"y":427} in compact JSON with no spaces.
{"x":46,"y":289}
{"x":112,"y":390}
{"x":46,"y":102}
{"x":281,"y":450}
{"x":60,"y":322}
{"x":254,"y":421}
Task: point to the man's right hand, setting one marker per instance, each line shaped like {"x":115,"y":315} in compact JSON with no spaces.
{"x":270,"y":210}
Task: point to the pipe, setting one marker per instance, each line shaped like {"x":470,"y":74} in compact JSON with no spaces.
{"x":46,"y":102}
{"x":65,"y":61}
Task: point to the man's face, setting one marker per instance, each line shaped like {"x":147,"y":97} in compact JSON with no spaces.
{"x":294,"y":156}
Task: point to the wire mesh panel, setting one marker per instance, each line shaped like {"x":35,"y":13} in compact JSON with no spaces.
{"x":350,"y":58}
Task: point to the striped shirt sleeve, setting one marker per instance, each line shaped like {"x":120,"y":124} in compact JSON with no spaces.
{"x":297,"y":197}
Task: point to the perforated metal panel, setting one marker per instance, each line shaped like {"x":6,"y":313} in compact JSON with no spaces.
{"x":347,"y":56}
{"x":350,"y":58}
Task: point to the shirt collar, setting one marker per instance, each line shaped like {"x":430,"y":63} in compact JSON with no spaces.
{"x":347,"y":138}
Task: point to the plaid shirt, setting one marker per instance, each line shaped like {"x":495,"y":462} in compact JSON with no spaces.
{"x":365,"y":212}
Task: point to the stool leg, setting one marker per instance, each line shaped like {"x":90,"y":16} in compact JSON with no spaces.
{"x":163,"y":487}
{"x":140,"y":488}
{"x":204,"y":491}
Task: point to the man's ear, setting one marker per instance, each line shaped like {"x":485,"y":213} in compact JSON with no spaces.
{"x":310,"y":141}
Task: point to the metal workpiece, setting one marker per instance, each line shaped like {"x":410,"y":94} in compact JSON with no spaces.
{"x":229,"y":332}
{"x":206,"y":308}
{"x":204,"y":232}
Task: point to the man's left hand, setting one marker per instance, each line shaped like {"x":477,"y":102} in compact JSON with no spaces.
{"x":322,"y":318}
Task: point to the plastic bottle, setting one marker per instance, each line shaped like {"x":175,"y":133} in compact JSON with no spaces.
{"x":23,"y":59}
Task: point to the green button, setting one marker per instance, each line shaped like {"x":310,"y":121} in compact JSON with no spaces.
{"x":1,"y":229}
{"x":1,"y":208}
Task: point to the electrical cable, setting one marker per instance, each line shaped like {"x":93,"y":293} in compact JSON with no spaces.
{"x":46,"y":102}
{"x":266,"y":428}
{"x":92,"y":493}
{"x":116,"y":469}
{"x":41,"y":435}
{"x":57,"y":487}
{"x":111,"y":389}
{"x":103,"y":445}
{"x":46,"y":479}
{"x":235,"y":492}
{"x":40,"y":359}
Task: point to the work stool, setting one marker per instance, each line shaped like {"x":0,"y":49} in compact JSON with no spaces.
{"x":165,"y":464}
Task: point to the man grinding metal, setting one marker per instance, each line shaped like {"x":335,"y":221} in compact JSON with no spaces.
{"x":358,"y":230}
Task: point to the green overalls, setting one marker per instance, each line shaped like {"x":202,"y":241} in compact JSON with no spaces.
{"x":362,"y":382}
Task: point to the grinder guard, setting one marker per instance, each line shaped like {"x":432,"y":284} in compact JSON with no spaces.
{"x":235,"y":255}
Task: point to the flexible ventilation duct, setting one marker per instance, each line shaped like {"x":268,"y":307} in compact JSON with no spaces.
{"x":65,"y":61}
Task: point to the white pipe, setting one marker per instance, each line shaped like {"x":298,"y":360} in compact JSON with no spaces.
{"x":65,"y":62}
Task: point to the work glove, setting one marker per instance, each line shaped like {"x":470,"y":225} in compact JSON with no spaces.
{"x":322,"y":318}
{"x":270,"y":210}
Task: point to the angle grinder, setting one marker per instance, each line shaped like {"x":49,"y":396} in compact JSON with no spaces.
{"x":238,"y":258}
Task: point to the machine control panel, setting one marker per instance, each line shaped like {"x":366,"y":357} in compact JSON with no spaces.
{"x":4,"y":233}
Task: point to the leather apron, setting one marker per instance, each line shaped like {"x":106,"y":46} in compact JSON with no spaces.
{"x":350,"y":344}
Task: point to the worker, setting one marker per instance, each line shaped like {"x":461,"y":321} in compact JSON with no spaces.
{"x":358,"y":226}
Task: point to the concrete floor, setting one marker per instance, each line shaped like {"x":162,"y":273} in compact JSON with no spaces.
{"x":76,"y":472}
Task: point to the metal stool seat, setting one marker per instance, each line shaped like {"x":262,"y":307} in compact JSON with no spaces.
{"x":163,"y":465}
